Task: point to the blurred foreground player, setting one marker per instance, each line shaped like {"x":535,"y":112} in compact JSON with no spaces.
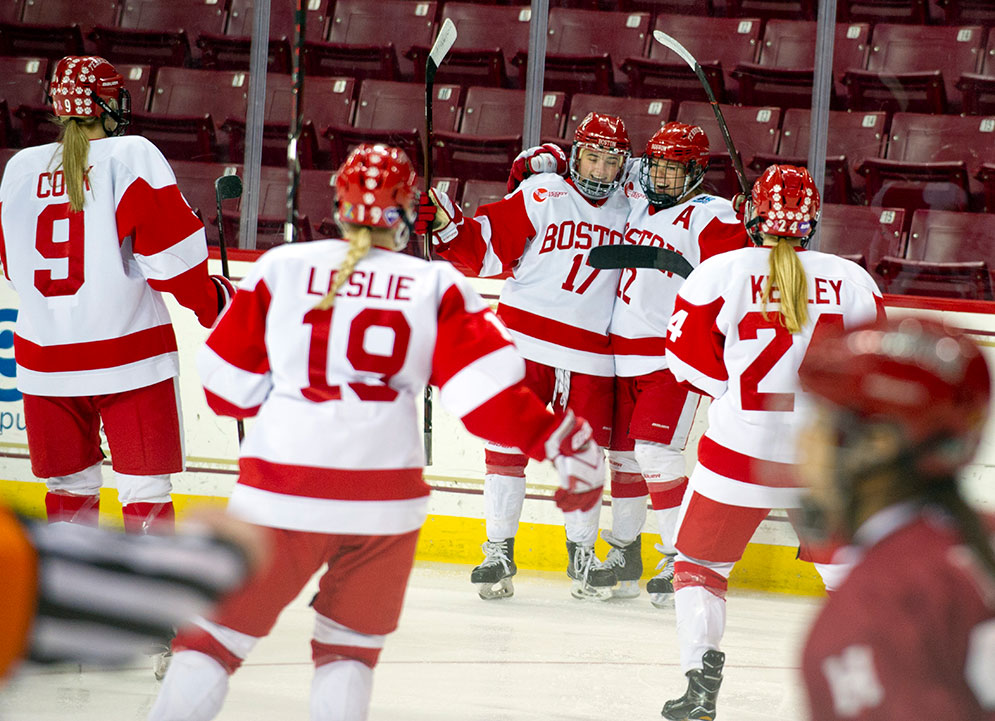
{"x":71,"y":593}
{"x":330,"y":344}
{"x":92,"y":231}
{"x":911,"y":632}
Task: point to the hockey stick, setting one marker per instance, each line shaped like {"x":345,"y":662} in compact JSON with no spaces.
{"x":440,"y":48}
{"x":297,"y":88}
{"x":227,"y":187}
{"x":737,"y":162}
{"x":639,"y":256}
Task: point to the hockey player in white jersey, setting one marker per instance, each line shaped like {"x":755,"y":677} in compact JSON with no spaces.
{"x":741,"y":325}
{"x":330,"y":344}
{"x":92,"y":231}
{"x":653,"y":413}
{"x":558,"y":310}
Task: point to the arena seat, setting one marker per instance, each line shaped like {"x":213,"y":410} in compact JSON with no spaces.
{"x":962,"y":12}
{"x":784,"y":71}
{"x":883,"y":11}
{"x":753,"y":129}
{"x":861,"y":234}
{"x":361,"y":44}
{"x":940,"y":236}
{"x":969,"y":280}
{"x":914,"y":68}
{"x":196,"y":181}
{"x":718,"y":44}
{"x":23,"y":85}
{"x":10,"y":12}
{"x":768,"y":9}
{"x":642,"y":116}
{"x":978,"y":89}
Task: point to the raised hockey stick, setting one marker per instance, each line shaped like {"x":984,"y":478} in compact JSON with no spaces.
{"x":440,"y":48}
{"x":227,"y":187}
{"x":737,"y":162}
{"x":297,"y":89}
{"x":639,"y":256}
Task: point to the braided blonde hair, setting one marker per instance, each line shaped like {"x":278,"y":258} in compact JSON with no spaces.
{"x":75,"y":157}
{"x":360,"y":241}
{"x":788,"y":274}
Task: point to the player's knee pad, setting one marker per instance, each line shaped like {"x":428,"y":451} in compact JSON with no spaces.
{"x":334,"y":642}
{"x":82,"y":483}
{"x":626,"y":479}
{"x":143,"y":489}
{"x":659,"y":463}
{"x":713,"y":577}
{"x":503,"y":461}
{"x":225,"y":645}
{"x":194,"y":689}
{"x":341,"y":691}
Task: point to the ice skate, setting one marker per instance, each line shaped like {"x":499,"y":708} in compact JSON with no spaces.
{"x":493,"y":576}
{"x":626,"y":561}
{"x":698,"y":702}
{"x":162,"y":654}
{"x":591,"y":580}
{"x":661,"y":586}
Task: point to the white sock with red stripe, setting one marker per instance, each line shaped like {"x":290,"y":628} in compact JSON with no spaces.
{"x":341,"y":691}
{"x":504,"y":497}
{"x":628,"y":518}
{"x":194,"y":689}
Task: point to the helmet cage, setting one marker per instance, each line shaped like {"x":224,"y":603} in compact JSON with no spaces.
{"x":596,"y":189}
{"x":694,"y":175}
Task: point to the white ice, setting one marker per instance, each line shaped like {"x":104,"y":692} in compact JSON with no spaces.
{"x":538,"y":655}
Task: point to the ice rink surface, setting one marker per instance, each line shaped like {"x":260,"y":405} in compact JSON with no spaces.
{"x":538,"y":655}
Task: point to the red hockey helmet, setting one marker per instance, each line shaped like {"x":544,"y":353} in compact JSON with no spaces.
{"x":679,"y":143}
{"x":785,"y":203}
{"x":602,"y":133}
{"x":375,"y":186}
{"x":83,"y":86}
{"x":926,"y":380}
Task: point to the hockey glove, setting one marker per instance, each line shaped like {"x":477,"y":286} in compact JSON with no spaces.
{"x":739,"y":205}
{"x":548,"y":158}
{"x":444,"y":215}
{"x":580,"y":463}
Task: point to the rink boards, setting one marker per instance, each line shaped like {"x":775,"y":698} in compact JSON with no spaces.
{"x":455,"y":528}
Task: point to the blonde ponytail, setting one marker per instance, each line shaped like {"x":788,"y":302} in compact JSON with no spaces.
{"x":75,"y":158}
{"x":360,"y":242}
{"x":788,"y":275}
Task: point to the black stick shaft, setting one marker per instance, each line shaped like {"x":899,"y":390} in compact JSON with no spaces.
{"x":297,"y":89}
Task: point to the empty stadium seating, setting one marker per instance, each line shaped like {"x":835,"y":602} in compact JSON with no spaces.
{"x":864,"y":235}
{"x":642,"y":116}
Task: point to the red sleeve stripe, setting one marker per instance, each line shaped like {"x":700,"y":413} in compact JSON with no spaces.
{"x":242,"y":389}
{"x":223,"y":408}
{"x":240,"y":336}
{"x":343,"y":484}
{"x":638,"y":346}
{"x":718,"y":237}
{"x":157,"y":218}
{"x":177,"y":259}
{"x":96,"y":354}
{"x":510,"y":227}
{"x":694,"y":380}
{"x":879,"y":306}
{"x":553,"y":331}
{"x":481,"y":380}
{"x":463,"y":336}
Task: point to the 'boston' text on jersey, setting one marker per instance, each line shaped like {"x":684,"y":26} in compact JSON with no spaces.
{"x":568,"y":234}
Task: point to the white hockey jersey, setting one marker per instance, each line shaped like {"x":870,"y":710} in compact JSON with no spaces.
{"x":556,"y":306}
{"x":91,"y":318}
{"x":719,"y":342}
{"x":696,"y":229}
{"x":336,"y":446}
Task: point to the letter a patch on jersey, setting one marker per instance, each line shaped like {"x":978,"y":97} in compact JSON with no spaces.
{"x":684,"y":218}
{"x":853,"y":681}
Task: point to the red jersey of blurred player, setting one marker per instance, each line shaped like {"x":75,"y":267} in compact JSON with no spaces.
{"x":330,"y":344}
{"x":92,"y":231}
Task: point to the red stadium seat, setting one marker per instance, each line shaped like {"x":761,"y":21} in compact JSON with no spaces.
{"x":883,"y":11}
{"x":158,"y":33}
{"x":767,"y":9}
{"x":864,"y":235}
{"x":585,"y":50}
{"x":783,"y":74}
{"x":853,"y":137}
{"x":489,"y":135}
{"x":232,"y":50}
{"x":10,"y":12}
{"x":939,"y":236}
{"x":196,"y":182}
{"x":394,"y":113}
{"x":363,"y":44}
{"x":23,"y":86}
{"x":488,"y":37}
{"x":986,"y":174}
{"x":962,"y":12}
{"x":718,"y":44}
{"x":481,"y":192}
{"x":753,"y":130}
{"x":53,"y":28}
{"x":978,"y":89}
{"x":914,"y":68}
{"x":642,"y":116}
{"x":931,"y":162}
{"x":969,"y":280}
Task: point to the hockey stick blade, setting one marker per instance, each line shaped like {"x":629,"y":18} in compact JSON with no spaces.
{"x":228,"y":187}
{"x":639,"y":256}
{"x":443,"y":44}
{"x":669,"y":42}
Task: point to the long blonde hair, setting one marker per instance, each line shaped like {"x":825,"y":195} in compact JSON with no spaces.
{"x":788,"y":275}
{"x":75,"y":157}
{"x":360,"y":241}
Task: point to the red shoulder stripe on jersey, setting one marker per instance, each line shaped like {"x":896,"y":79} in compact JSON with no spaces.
{"x":341,"y":484}
{"x":511,"y":227}
{"x":718,"y":237}
{"x":697,"y":341}
{"x":740,"y":467}
{"x":192,"y":289}
{"x":553,"y":331}
{"x":240,"y":336}
{"x":638,"y":346}
{"x":462,"y":337}
{"x":879,"y":306}
{"x":224,"y":408}
{"x":3,"y":250}
{"x":95,"y":354}
{"x":157,"y":218}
